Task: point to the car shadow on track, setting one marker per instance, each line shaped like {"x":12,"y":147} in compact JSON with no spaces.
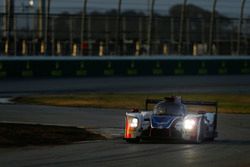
{"x":162,"y":142}
{"x":232,"y":142}
{"x":215,"y":142}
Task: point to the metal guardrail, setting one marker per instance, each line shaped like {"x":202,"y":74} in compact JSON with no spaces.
{"x":28,"y":67}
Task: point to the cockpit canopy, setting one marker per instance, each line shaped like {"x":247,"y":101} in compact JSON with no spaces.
{"x":169,"y":108}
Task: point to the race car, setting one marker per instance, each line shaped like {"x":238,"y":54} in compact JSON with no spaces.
{"x":170,"y":119}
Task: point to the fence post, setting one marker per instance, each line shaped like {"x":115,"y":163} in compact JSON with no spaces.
{"x":155,"y":47}
{"x":5,"y":20}
{"x":211,"y":32}
{"x":188,"y":36}
{"x":203,"y":32}
{"x":172,"y":36}
{"x":53,"y":36}
{"x":71,"y":34}
{"x":118,"y":27}
{"x":150,"y":26}
{"x":41,"y":18}
{"x":8,"y":23}
{"x":90,"y":44}
{"x":83,"y":23}
{"x":240,"y":26}
{"x":124,"y":36}
{"x":107,"y":33}
{"x":140,"y":31}
{"x":15,"y":35}
{"x":181,"y":26}
{"x":47,"y":26}
{"x":32,"y":13}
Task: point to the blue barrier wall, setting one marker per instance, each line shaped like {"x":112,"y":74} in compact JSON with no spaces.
{"x":16,"y":67}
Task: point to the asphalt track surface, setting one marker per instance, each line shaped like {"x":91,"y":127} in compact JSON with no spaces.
{"x":231,"y":148}
{"x":231,"y":84}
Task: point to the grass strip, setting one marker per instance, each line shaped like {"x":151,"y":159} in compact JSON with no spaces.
{"x":228,"y":103}
{"x":13,"y":134}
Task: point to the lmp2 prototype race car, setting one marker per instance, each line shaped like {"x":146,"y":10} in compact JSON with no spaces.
{"x":170,"y":120}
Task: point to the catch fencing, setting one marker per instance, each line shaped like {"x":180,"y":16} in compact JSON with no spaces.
{"x":124,"y":27}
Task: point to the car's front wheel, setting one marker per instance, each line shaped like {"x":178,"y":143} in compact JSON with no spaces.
{"x":200,"y":132}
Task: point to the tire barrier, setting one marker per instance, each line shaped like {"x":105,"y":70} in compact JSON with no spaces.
{"x":27,"y":67}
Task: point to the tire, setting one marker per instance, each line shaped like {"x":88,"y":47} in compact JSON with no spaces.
{"x":200,"y":139}
{"x":210,"y":139}
{"x":213,"y":136}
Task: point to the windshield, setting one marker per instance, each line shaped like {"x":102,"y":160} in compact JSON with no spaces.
{"x":168,"y":108}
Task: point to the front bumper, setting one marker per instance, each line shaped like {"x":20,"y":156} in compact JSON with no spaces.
{"x":156,"y":133}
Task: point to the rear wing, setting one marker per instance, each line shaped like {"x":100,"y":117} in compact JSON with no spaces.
{"x":195,"y":103}
{"x":170,"y":99}
{"x":202,"y":103}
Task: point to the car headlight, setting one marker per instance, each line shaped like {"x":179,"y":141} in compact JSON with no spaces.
{"x":189,"y":124}
{"x":134,"y":123}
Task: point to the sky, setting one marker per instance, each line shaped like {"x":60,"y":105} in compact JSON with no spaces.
{"x":229,"y":8}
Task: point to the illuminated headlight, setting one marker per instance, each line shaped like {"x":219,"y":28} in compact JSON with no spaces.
{"x":189,"y":124}
{"x":134,"y":123}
